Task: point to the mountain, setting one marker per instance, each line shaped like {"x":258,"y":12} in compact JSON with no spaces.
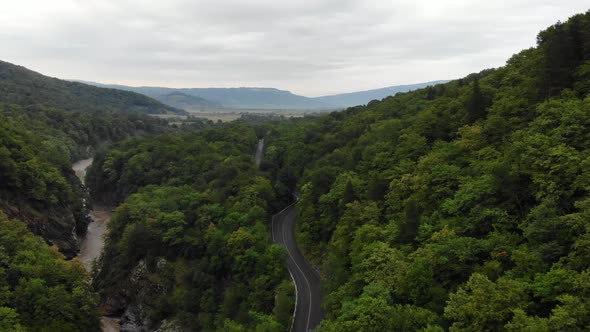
{"x":24,"y":87}
{"x":270,"y":98}
{"x":363,"y":97}
{"x":240,"y":98}
{"x":187,"y":102}
{"x":262,"y":98}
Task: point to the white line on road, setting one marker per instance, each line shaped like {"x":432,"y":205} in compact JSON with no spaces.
{"x":296,"y":299}
{"x":304,"y":277}
{"x":272,"y":230}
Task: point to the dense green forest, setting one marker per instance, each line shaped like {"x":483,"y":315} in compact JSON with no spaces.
{"x":190,"y":245}
{"x":38,"y":143}
{"x":39,"y":290}
{"x":458,"y":207}
{"x":37,"y":148}
{"x":462,"y":206}
{"x":45,"y":125}
{"x":26,"y":88}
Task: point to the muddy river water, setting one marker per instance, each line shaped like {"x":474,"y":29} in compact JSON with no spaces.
{"x":92,"y":244}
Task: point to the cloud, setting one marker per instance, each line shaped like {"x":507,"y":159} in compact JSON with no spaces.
{"x":309,"y":47}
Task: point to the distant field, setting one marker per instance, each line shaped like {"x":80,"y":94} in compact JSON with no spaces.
{"x":215,"y":116}
{"x":227,"y":115}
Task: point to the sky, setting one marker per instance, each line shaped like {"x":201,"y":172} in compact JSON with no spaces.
{"x":312,"y":48}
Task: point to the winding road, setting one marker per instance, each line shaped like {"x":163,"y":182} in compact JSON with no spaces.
{"x":308,"y":310}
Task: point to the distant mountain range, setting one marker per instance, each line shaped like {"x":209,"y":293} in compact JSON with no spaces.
{"x":261,"y":98}
{"x":184,"y":101}
{"x":363,"y":97}
{"x":24,"y":87}
{"x":19,"y":85}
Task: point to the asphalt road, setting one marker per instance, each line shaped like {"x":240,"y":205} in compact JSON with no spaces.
{"x":308,"y":311}
{"x":259,"y":149}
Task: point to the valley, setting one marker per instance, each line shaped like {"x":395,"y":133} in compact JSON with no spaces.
{"x":93,"y":242}
{"x":459,"y":205}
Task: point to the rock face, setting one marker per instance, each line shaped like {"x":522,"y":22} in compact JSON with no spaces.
{"x":61,"y":231}
{"x":133,"y":301}
{"x":62,"y":228}
{"x":62,"y":225}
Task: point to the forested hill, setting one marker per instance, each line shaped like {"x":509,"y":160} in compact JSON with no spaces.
{"x":187,"y":102}
{"x":461,"y":207}
{"x":40,"y":140}
{"x":27,"y":88}
{"x":39,"y":191}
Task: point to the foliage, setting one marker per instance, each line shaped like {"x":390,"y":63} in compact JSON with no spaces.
{"x":464,"y":203}
{"x":39,"y":290}
{"x":191,"y":240}
{"x":27,"y":88}
{"x":37,"y":147}
{"x":463,"y":206}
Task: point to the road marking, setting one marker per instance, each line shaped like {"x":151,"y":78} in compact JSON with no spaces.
{"x":272,"y":227}
{"x":304,"y":277}
{"x":272,"y":220}
{"x":296,"y":299}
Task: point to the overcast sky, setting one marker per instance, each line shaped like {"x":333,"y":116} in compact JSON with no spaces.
{"x":312,"y":47}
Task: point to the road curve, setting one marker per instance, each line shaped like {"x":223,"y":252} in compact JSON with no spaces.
{"x":308,"y":311}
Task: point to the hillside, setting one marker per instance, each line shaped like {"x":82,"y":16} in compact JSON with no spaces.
{"x":39,"y":191}
{"x":37,"y":148}
{"x":252,"y":98}
{"x":41,"y":291}
{"x":460,"y":207}
{"x":21,"y":86}
{"x":187,"y":102}
{"x":269,"y":98}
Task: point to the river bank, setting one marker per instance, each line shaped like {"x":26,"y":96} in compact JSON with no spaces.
{"x":93,"y":243}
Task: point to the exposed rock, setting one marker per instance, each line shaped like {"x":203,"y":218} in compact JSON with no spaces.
{"x":171,"y":325}
{"x":132,"y":321}
{"x":61,"y":228}
{"x":136,"y":299}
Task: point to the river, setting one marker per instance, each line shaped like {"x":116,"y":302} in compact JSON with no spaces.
{"x":93,"y":242}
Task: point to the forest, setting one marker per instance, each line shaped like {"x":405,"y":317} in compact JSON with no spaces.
{"x":191,"y":240}
{"x":24,"y":87}
{"x":463,"y":206}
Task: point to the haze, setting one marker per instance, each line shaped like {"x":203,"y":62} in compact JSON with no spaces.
{"x":308,"y":47}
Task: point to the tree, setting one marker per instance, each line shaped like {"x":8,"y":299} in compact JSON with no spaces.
{"x":483,"y":305}
{"x":476,"y":103}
